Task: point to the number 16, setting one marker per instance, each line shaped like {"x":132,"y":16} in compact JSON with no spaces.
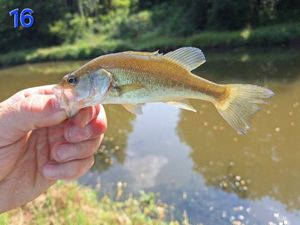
{"x":26,"y":14}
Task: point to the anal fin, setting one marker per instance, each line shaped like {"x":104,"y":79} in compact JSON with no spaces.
{"x":135,"y":109}
{"x":182,"y":104}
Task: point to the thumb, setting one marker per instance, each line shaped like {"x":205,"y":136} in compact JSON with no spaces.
{"x":28,"y":113}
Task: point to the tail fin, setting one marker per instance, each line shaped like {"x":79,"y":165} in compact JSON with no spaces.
{"x":240,"y":105}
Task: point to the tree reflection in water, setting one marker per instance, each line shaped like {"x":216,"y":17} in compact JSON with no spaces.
{"x":263,"y":163}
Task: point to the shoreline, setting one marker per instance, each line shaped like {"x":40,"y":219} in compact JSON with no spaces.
{"x":276,"y":36}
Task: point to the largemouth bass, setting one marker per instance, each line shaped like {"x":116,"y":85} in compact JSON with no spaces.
{"x":134,"y":78}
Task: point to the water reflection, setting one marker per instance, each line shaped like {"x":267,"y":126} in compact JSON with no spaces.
{"x":115,"y":141}
{"x":265,"y":162}
{"x":145,"y":170}
{"x":251,"y":66}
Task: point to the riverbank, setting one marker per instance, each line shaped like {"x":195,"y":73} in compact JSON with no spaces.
{"x":93,"y":46}
{"x":70,"y":203}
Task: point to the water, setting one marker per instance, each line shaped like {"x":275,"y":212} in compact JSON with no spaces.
{"x":195,"y":161}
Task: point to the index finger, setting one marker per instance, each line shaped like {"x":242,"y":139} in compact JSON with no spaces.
{"x":41,"y":90}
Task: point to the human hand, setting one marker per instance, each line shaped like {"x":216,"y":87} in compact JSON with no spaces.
{"x":38,"y":145}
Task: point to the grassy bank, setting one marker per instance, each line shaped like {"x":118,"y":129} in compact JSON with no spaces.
{"x":92,"y":46}
{"x":69,"y":203}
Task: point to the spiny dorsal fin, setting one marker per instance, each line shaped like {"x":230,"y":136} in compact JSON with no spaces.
{"x":156,"y":53}
{"x":188,"y":57}
{"x":182,"y":104}
{"x":135,"y":109}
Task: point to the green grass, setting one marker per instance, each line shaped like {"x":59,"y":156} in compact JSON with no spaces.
{"x":92,"y":46}
{"x":70,"y":203}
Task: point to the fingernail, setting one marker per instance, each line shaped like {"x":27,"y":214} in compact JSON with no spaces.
{"x":79,"y":134}
{"x":61,"y":152}
{"x":81,"y":123}
{"x":50,"y":171}
{"x":85,"y":122}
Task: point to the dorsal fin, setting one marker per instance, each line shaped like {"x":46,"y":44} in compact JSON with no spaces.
{"x":188,"y":57}
{"x":156,"y":53}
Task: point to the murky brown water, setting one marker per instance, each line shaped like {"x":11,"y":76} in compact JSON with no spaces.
{"x":195,"y":160}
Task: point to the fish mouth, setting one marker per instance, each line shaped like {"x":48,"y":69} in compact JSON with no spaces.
{"x":67,"y":100}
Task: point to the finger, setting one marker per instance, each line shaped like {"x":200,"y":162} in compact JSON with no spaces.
{"x":94,"y":129}
{"x":69,"y":151}
{"x":85,"y":116}
{"x":41,"y":90}
{"x":69,"y":170}
{"x":29,"y":113}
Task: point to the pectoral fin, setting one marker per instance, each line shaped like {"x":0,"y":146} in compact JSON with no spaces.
{"x":182,"y":104}
{"x":135,"y":109}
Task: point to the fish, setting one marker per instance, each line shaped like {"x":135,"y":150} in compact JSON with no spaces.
{"x":133,"y":78}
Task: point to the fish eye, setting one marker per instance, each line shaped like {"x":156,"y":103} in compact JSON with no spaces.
{"x":73,"y":80}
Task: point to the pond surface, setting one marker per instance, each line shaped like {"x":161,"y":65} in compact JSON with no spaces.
{"x":195,"y":161}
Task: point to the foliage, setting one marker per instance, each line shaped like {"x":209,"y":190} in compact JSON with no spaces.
{"x":95,"y":45}
{"x":67,"y":21}
{"x":69,"y":203}
{"x":71,"y":28}
{"x":171,"y":19}
{"x":44,"y":13}
{"x":228,"y":15}
{"x":264,"y":36}
{"x":133,"y":26}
